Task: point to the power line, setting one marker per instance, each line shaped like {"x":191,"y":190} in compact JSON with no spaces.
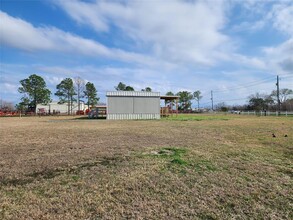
{"x":238,"y":99}
{"x":251,"y":84}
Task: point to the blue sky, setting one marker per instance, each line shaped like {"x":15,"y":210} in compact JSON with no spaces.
{"x":233,"y":47}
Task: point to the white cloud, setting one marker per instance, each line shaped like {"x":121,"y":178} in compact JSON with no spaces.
{"x":9,"y":88}
{"x":257,"y":15}
{"x":282,"y":18}
{"x":280,"y":58}
{"x":53,"y":80}
{"x":20,"y":34}
{"x":276,"y":16}
{"x":181,"y":31}
{"x":85,"y":13}
{"x":184,"y":32}
{"x":249,"y":26}
{"x":252,"y":62}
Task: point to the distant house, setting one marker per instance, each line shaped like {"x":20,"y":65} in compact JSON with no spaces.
{"x":56,"y":108}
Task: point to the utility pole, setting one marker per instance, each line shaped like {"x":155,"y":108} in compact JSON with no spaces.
{"x":212,"y":100}
{"x":278,"y":95}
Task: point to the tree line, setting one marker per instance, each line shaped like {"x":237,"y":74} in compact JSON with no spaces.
{"x":263,"y":102}
{"x":185,"y":97}
{"x":35,"y":91}
{"x":123,"y":87}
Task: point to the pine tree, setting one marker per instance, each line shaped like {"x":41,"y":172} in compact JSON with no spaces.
{"x":35,"y":91}
{"x":91,"y":94}
{"x":65,"y":92}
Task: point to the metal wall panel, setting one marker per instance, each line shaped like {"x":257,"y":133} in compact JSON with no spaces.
{"x":146,"y":105}
{"x":133,"y":105}
{"x":121,"y":105}
{"x":133,"y":116}
{"x":62,"y":108}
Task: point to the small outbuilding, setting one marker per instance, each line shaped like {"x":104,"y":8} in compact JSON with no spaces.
{"x":57,"y":108}
{"x":134,"y":105}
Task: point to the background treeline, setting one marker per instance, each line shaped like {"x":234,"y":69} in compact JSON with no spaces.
{"x":255,"y":102}
{"x":34,"y":91}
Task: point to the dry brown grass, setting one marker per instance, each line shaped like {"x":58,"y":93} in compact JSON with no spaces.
{"x":213,"y":167}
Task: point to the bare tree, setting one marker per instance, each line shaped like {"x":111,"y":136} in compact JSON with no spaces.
{"x":79,"y":88}
{"x":197,"y":96}
{"x":284,"y":94}
{"x":6,"y":106}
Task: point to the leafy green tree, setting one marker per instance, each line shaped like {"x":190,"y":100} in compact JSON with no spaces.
{"x":66,"y":93}
{"x":257,"y":103}
{"x":23,"y":105}
{"x":197,"y":96}
{"x":185,"y":98}
{"x":35,"y":91}
{"x":121,"y":86}
{"x":147,"y":89}
{"x":222,"y":107}
{"x":90,"y":93}
{"x":169,"y":101}
{"x":260,"y":102}
{"x":170,"y":93}
{"x":129,"y":88}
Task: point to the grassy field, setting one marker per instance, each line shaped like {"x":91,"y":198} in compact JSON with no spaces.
{"x":190,"y":167}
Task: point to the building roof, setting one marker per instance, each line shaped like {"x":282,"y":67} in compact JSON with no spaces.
{"x":132,"y":94}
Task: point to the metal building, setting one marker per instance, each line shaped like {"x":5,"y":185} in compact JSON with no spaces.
{"x":55,"y":107}
{"x":133,"y":105}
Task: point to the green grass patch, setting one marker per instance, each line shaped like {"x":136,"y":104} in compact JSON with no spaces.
{"x":75,"y":177}
{"x":179,"y":161}
{"x":190,"y":117}
{"x":175,"y":152}
{"x":172,"y":154}
{"x":178,"y":157}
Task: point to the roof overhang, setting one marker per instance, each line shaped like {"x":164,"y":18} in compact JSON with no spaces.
{"x":169,"y":97}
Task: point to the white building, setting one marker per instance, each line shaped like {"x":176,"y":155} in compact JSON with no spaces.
{"x":55,"y":108}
